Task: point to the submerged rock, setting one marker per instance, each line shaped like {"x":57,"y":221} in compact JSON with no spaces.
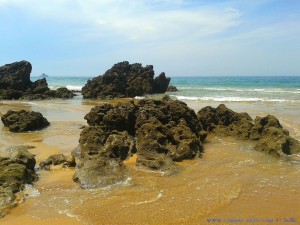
{"x":271,"y":137}
{"x":15,"y":172}
{"x":160,"y":132}
{"x":15,"y":83}
{"x":58,"y":159}
{"x":22,"y":121}
{"x":126,"y":80}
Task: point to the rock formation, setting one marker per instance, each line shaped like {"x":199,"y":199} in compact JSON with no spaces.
{"x":22,"y":121}
{"x":15,"y":172}
{"x":160,"y":132}
{"x":126,"y":80}
{"x":268,"y":133}
{"x":15,"y":83}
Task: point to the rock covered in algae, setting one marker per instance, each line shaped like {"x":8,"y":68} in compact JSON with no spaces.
{"x":23,"y":121}
{"x":160,"y":132}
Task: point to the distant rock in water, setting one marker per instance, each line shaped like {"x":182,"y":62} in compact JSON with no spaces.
{"x":15,"y":83}
{"x":126,"y":80}
{"x":43,"y":75}
{"x":160,"y":132}
{"x":23,"y":121}
{"x":267,"y":132}
{"x":172,"y":88}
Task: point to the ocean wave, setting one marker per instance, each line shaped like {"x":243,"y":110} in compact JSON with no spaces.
{"x":74,"y":88}
{"x":229,"y":99}
{"x":261,"y":90}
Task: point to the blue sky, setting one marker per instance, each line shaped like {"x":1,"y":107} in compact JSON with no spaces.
{"x":179,"y":37}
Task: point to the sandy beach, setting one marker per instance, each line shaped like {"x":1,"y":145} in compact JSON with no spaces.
{"x":231,"y":180}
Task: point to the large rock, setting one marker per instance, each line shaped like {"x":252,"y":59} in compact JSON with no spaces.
{"x":126,"y":80}
{"x":15,"y":83}
{"x":267,"y":131}
{"x":160,"y":132}
{"x":22,"y":121}
{"x":15,"y":172}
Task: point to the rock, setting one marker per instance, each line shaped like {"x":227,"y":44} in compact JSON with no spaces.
{"x":223,"y":121}
{"x":172,"y":88}
{"x":125,"y":80}
{"x":22,"y":121}
{"x":277,"y":142}
{"x":15,"y":83}
{"x":94,"y":171}
{"x":64,"y":93}
{"x":14,"y":174}
{"x":58,"y":159}
{"x":267,"y":131}
{"x":160,"y":132}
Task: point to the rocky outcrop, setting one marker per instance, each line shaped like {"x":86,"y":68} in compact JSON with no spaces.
{"x":126,"y":80}
{"x":57,"y":159}
{"x":15,"y":172}
{"x":15,"y":83}
{"x":267,"y":131}
{"x":172,"y":88}
{"x":160,"y":132}
{"x":23,"y":121}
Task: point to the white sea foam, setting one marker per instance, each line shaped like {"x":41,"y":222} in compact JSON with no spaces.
{"x":229,"y":99}
{"x":74,"y":88}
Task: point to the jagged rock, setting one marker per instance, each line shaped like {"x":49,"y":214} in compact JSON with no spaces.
{"x":15,"y":83}
{"x":22,"y":121}
{"x":159,"y":131}
{"x":125,"y":80}
{"x":277,"y":142}
{"x":64,"y":93}
{"x":14,"y":174}
{"x":271,"y":137}
{"x":172,"y":88}
{"x":58,"y":159}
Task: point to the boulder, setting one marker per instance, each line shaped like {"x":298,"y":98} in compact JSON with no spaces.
{"x":160,"y":132}
{"x":22,"y":121}
{"x":15,"y":83}
{"x":125,"y":80}
{"x":15,"y":172}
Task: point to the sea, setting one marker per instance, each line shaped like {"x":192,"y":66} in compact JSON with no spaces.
{"x":231,"y":184}
{"x":215,"y":88}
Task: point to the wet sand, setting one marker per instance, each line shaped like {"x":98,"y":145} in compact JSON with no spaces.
{"x":230,"y":181}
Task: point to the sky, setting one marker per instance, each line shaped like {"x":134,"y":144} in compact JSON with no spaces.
{"x":178,"y":37}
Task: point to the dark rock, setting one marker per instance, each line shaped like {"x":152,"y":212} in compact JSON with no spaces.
{"x":125,"y":80}
{"x":172,"y":88}
{"x":14,"y":174}
{"x":22,"y":121}
{"x":159,"y":131}
{"x":58,"y":159}
{"x":15,"y":83}
{"x":64,"y":93}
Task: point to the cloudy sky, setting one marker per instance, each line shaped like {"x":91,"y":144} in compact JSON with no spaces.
{"x":179,"y":37}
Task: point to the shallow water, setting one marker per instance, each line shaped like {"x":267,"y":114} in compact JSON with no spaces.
{"x":230,"y":181}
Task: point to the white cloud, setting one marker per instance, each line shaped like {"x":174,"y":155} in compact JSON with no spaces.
{"x":133,"y":20}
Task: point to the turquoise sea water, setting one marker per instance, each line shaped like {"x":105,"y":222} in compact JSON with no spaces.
{"x":218,"y":89}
